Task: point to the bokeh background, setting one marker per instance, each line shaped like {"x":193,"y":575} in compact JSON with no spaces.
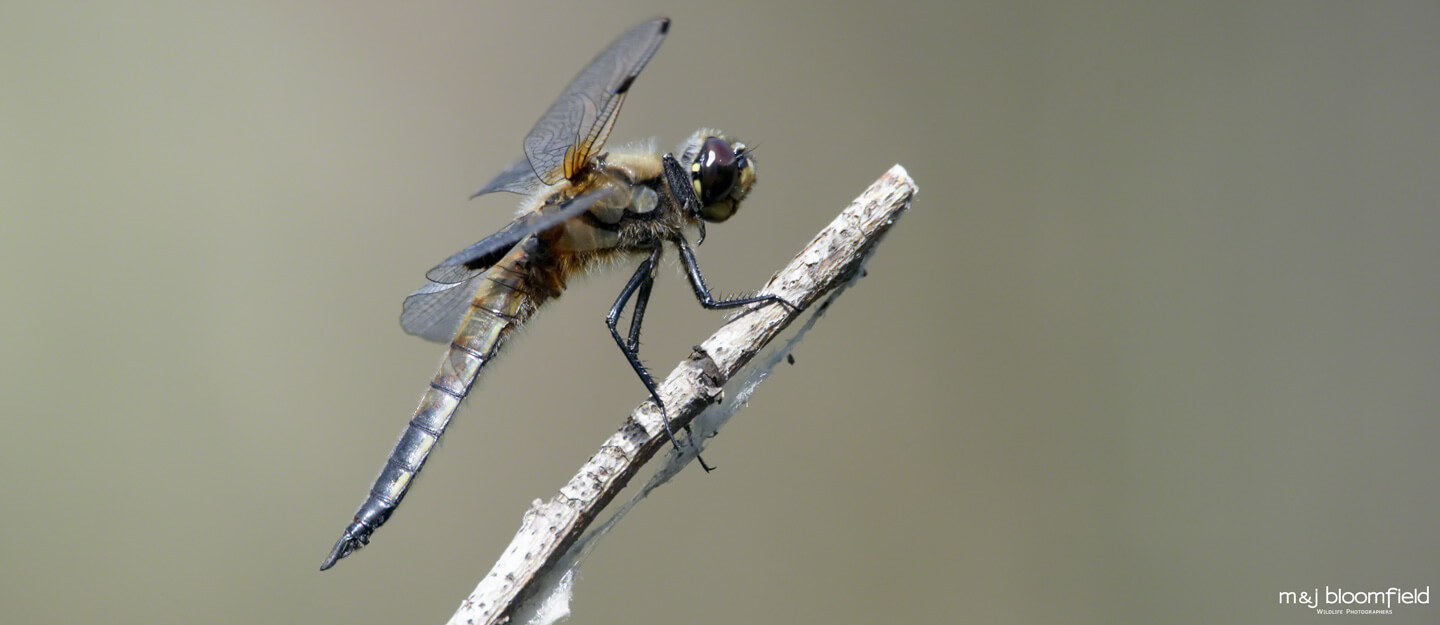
{"x":1158,"y":340}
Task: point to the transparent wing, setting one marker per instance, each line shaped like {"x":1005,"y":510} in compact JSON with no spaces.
{"x":519,"y":178}
{"x":480,"y":256}
{"x":433,"y":311}
{"x":580,"y":119}
{"x":464,"y":264}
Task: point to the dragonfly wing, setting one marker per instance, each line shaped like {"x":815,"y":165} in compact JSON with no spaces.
{"x":580,"y":119}
{"x":519,"y":178}
{"x":481,"y":255}
{"x":433,"y":311}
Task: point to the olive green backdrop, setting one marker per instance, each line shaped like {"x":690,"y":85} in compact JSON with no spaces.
{"x":1157,"y":342}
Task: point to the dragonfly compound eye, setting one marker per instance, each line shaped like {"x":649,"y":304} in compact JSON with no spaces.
{"x":715,"y":169}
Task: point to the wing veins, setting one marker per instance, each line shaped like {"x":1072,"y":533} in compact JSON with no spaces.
{"x":433,"y":311}
{"x":579,"y":121}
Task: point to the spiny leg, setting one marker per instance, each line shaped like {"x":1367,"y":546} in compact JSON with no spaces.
{"x":642,"y":281}
{"x":678,"y":179}
{"x":638,"y":313}
{"x":702,"y":292}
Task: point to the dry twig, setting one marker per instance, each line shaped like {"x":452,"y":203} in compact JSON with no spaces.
{"x":550,"y":528}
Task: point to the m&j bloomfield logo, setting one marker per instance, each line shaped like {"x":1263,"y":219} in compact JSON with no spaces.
{"x":1341,"y":601}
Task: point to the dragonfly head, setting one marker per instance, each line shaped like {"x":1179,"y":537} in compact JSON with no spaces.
{"x":721,"y":172}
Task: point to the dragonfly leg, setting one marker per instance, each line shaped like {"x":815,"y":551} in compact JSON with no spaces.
{"x":637,"y":314}
{"x":679,"y":182}
{"x":639,"y":287}
{"x":641,"y":282}
{"x":702,"y":292}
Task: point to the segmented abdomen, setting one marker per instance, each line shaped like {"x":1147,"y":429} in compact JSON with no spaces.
{"x":503,"y":301}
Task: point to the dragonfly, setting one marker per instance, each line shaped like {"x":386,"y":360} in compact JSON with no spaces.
{"x":584,"y":210}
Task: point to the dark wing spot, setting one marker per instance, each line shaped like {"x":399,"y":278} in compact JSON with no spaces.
{"x":625,"y":86}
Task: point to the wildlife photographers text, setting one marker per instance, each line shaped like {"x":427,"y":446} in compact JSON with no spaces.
{"x":1342,"y":601}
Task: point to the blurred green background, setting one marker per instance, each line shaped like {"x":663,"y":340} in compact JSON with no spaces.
{"x":1158,"y":340}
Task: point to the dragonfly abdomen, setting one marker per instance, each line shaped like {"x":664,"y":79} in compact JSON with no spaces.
{"x":500,"y":305}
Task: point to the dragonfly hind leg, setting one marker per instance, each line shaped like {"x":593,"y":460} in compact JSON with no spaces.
{"x":639,"y":288}
{"x":642,"y":298}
